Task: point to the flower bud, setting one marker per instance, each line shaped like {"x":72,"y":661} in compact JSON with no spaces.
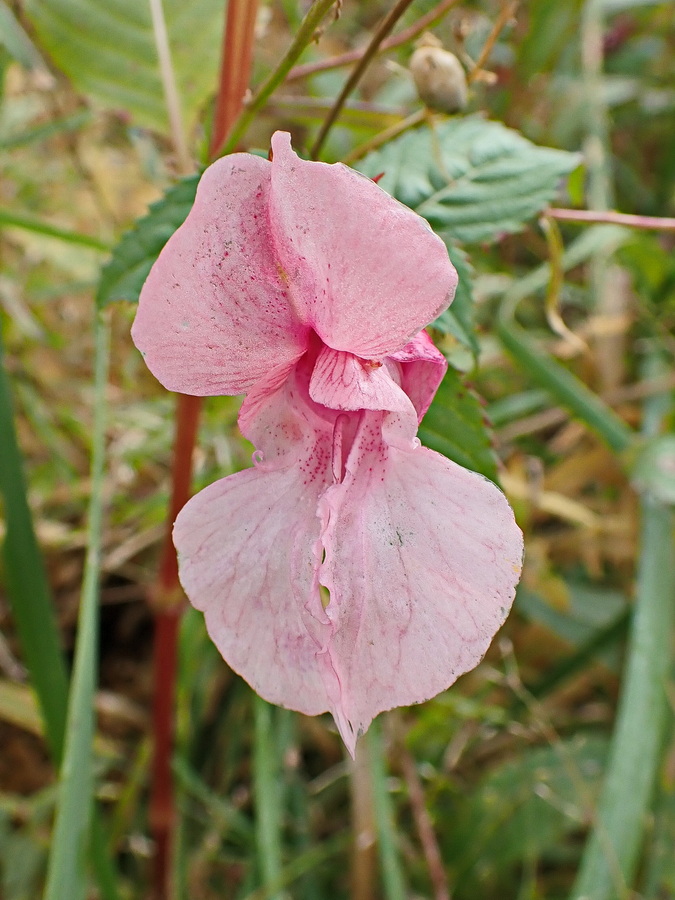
{"x":438,"y":75}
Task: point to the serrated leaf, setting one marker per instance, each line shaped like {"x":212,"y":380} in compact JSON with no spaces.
{"x":455,"y":426}
{"x":108,"y":51}
{"x":122,"y":278}
{"x":457,"y":319}
{"x":470,"y":178}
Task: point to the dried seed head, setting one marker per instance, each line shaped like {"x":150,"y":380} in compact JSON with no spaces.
{"x":438,"y":75}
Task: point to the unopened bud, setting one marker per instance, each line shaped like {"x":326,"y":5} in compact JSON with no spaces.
{"x":438,"y":75}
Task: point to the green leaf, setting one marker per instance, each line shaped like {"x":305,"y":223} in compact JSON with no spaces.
{"x":108,"y":51}
{"x":472,"y":179}
{"x":123,"y":276}
{"x":457,"y":320}
{"x":455,"y":426}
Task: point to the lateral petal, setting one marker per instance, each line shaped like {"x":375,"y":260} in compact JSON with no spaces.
{"x":422,"y":370}
{"x":421,"y":561}
{"x":249,"y":550}
{"x":366,"y":272}
{"x":215,"y":314}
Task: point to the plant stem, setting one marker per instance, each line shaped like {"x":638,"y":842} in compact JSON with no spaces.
{"x":397,"y":40}
{"x":235,"y":70}
{"x":267,"y":791}
{"x":505,"y":14}
{"x":592,"y":216}
{"x":612,"y":851}
{"x":364,"y":856}
{"x":381,"y":32}
{"x":392,"y":873}
{"x":310,"y":23}
{"x":166,"y":596}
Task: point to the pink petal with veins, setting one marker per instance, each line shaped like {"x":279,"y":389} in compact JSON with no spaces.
{"x":422,"y":559}
{"x":214,"y":314}
{"x":365,"y":271}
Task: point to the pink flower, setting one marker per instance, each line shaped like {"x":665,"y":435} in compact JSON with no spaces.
{"x":306,"y":287}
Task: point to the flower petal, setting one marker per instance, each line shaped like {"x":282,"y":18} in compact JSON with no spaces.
{"x":421,"y":561}
{"x":422,"y":370}
{"x":366,"y":272}
{"x":214,"y":314}
{"x":247,"y":558}
{"x":343,"y":381}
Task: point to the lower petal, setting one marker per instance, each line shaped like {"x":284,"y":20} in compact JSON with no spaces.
{"x":249,"y":551}
{"x":421,"y":561}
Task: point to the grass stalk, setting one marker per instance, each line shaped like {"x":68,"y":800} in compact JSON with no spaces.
{"x":392,"y":872}
{"x":266,"y":787}
{"x":66,"y":873}
{"x":612,"y":852}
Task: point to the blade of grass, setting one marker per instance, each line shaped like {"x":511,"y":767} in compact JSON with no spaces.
{"x":27,"y":586}
{"x":392,"y":873}
{"x":33,"y":611}
{"x":66,"y":872}
{"x":266,"y":789}
{"x":567,"y":389}
{"x":38,"y":226}
{"x":39,"y":133}
{"x":612,"y":852}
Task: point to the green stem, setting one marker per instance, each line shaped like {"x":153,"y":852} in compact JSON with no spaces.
{"x":392,"y":873}
{"x":66,"y":873}
{"x":267,"y":795}
{"x":612,"y":852}
{"x":310,"y":23}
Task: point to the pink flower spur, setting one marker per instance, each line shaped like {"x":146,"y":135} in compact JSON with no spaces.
{"x":305,"y":287}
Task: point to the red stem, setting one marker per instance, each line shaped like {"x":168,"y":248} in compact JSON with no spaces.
{"x":166,"y":596}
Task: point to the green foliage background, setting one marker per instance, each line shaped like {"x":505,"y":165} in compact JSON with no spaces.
{"x":567,"y":723}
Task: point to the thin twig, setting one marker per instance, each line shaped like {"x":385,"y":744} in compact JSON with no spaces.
{"x":381,"y":32}
{"x":396,"y":40}
{"x":506,"y":13}
{"x":168,"y":77}
{"x":425,"y":828}
{"x":383,"y":137}
{"x":592,"y":216}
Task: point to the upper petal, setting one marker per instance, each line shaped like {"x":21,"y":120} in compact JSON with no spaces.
{"x":214,"y":314}
{"x":421,"y":561}
{"x":366,"y":272}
